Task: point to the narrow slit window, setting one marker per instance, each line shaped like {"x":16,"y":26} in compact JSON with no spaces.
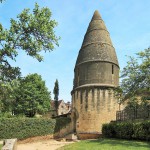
{"x":78,"y":76}
{"x":78,"y":72}
{"x":81,"y":97}
{"x":112,"y":69}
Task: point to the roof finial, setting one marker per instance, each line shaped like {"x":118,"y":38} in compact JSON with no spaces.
{"x":96,"y":15}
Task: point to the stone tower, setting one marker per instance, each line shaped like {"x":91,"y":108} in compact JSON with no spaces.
{"x":96,"y":73}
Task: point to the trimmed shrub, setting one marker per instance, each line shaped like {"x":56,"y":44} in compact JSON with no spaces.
{"x":127,"y":130}
{"x":22,"y":128}
{"x":108,"y":130}
{"x":142,"y":131}
{"x":124,"y":130}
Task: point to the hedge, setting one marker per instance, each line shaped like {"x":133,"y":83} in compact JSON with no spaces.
{"x":22,"y":128}
{"x":127,"y":130}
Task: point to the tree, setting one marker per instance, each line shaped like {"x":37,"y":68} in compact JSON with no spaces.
{"x":135,"y":85}
{"x":136,"y":76}
{"x":56,"y":93}
{"x":7,"y":95}
{"x":31,"y":32}
{"x":1,"y":1}
{"x":32,"y":96}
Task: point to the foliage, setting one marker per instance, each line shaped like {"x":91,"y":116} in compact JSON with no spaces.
{"x":32,"y":96}
{"x":127,"y":130}
{"x":7,"y":98}
{"x":6,"y":115}
{"x":107,"y":144}
{"x":25,"y":96}
{"x":56,"y":93}
{"x":22,"y":128}
{"x":1,"y":1}
{"x":136,"y":76}
{"x":30,"y":32}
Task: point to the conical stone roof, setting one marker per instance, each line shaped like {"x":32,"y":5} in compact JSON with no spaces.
{"x":97,"y":45}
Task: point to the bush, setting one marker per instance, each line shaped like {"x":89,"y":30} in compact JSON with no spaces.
{"x":108,"y":130}
{"x":22,"y":128}
{"x":6,"y":115}
{"x":142,"y":131}
{"x":127,"y":130}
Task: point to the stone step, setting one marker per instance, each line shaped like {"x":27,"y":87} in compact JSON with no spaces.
{"x":71,"y":136}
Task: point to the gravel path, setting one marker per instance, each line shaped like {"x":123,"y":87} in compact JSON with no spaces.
{"x":1,"y":142}
{"x":42,"y":145}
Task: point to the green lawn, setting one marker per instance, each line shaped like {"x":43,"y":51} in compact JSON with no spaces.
{"x":1,"y":146}
{"x":107,"y":144}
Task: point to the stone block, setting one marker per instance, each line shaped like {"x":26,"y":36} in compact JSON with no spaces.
{"x":10,"y":144}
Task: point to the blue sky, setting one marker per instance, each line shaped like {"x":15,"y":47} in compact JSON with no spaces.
{"x":128,"y":23}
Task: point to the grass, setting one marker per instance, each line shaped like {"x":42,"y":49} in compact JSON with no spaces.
{"x":107,"y":144}
{"x":1,"y":146}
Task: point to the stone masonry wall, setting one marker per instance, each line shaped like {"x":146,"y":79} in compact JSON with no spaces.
{"x":103,"y":73}
{"x":64,"y":131}
{"x":94,"y":107}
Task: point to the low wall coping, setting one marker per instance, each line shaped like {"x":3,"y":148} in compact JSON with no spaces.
{"x":9,"y":144}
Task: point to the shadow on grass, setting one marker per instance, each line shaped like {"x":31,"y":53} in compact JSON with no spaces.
{"x":117,"y":142}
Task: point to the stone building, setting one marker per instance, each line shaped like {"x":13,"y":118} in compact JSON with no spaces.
{"x":96,"y":73}
{"x":63,"y":108}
